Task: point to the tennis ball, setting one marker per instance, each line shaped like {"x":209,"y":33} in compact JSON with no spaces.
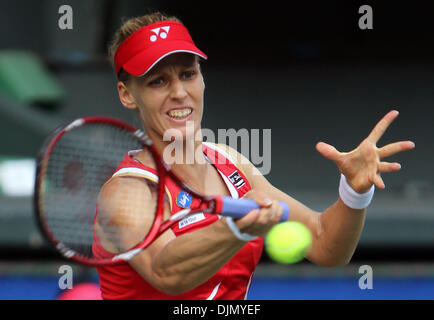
{"x":288,"y":242}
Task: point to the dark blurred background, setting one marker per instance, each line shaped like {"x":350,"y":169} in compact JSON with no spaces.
{"x":301,"y":68}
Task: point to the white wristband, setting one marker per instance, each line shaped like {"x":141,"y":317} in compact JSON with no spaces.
{"x":353,"y":199}
{"x":242,"y":236}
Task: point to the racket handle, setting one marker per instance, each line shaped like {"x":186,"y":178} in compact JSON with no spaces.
{"x":238,"y":208}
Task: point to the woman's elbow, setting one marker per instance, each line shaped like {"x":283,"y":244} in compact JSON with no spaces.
{"x":170,"y":284}
{"x":334,"y":263}
{"x":174,"y":288}
{"x":171,"y":290}
{"x":328,"y":258}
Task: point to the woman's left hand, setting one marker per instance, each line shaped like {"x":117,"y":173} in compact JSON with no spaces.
{"x":362,"y":167}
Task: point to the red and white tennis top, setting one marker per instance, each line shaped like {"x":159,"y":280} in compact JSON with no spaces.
{"x":231,"y":282}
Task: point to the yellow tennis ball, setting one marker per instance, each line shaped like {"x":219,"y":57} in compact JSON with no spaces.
{"x":288,"y":242}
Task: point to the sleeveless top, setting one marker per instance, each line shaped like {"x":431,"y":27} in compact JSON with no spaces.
{"x":231,"y":282}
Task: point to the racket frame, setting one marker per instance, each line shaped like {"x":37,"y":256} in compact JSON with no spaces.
{"x":41,"y":169}
{"x":208,"y":204}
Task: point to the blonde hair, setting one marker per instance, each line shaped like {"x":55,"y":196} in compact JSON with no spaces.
{"x":127,"y":28}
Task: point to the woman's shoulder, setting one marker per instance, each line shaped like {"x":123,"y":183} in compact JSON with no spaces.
{"x":239,"y":160}
{"x":230,"y":153}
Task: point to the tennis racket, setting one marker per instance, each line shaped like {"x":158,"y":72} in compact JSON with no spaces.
{"x":83,"y":206}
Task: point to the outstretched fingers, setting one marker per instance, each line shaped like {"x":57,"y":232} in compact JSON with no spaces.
{"x":388,"y":167}
{"x":378,"y":181}
{"x":328,"y":151}
{"x":394,"y":148}
{"x":382,"y":126}
{"x":383,"y":167}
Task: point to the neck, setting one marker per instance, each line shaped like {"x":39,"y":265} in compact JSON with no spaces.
{"x":185,"y":156}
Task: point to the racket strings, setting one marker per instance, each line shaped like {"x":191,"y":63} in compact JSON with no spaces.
{"x":79,"y":165}
{"x":134,"y":216}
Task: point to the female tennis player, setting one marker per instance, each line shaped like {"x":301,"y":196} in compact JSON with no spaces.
{"x":206,"y":257}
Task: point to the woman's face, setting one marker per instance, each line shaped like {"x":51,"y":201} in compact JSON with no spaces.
{"x":170,"y":95}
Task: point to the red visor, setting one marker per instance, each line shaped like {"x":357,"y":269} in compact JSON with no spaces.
{"x":150,"y":44}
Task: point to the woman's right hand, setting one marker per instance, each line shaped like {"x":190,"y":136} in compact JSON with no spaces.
{"x":259,"y":221}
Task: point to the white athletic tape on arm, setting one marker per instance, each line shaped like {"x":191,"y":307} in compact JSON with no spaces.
{"x":353,"y":199}
{"x":242,"y":236}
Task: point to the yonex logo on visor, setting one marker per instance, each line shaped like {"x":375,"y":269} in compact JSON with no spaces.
{"x":163,"y":34}
{"x":147,"y":46}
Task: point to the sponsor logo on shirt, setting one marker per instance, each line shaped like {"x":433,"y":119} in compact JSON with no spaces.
{"x":184,"y":199}
{"x":191,"y":219}
{"x":236,"y":179}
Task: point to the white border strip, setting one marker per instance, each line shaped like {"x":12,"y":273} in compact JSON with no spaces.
{"x":214,"y":292}
{"x":248,"y":286}
{"x":137,"y":171}
{"x":232,"y":190}
{"x":215,"y":148}
{"x":169,"y":53}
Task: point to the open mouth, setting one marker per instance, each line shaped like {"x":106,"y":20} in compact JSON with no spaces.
{"x":179,"y":114}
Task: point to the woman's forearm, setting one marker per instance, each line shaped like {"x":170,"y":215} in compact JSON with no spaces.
{"x":341,"y":228}
{"x":192,"y":258}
